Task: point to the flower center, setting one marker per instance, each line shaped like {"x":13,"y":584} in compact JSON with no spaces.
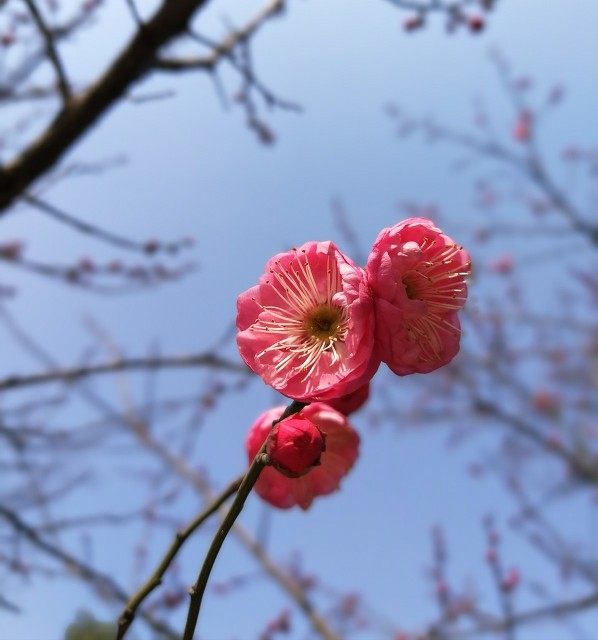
{"x":411,"y":289}
{"x":437,"y":280}
{"x":306,"y":322}
{"x":322,"y":323}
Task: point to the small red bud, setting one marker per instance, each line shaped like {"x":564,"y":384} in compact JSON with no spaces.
{"x":115,"y":266}
{"x":546,"y":402}
{"x":442,"y":588}
{"x":522,"y":130}
{"x":491,"y":556}
{"x":86,"y":264}
{"x":511,"y":580}
{"x":11,"y":250}
{"x":7,"y":39}
{"x":295,"y":445}
{"x":413,"y":23}
{"x":151,"y":246}
{"x":476,"y":24}
{"x":503,"y":264}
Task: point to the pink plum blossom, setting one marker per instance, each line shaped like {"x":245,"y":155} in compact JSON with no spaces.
{"x":522,"y":129}
{"x":417,"y":275}
{"x":307,"y":328}
{"x":342,"y":449}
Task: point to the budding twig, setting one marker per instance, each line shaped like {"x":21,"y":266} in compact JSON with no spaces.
{"x":198,"y":589}
{"x":180,"y":538}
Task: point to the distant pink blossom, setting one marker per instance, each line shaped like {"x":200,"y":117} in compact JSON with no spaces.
{"x":342,"y":450}
{"x":417,"y":274}
{"x":511,"y":580}
{"x":476,"y":23}
{"x":522,"y":129}
{"x":503,"y":264}
{"x":307,"y":328}
{"x":546,"y":401}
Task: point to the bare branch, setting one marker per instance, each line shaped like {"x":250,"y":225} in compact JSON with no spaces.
{"x":92,"y":230}
{"x":100,"y":581}
{"x":128,"y":614}
{"x":51,"y":50}
{"x":208,"y":360}
{"x":225,"y":48}
{"x":134,"y":62}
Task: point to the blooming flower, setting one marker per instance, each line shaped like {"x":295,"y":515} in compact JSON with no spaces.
{"x":417,"y":277}
{"x":307,"y":328}
{"x":342,"y":449}
{"x":295,"y":445}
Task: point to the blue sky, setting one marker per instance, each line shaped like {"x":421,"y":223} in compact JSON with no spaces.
{"x":193,"y":169}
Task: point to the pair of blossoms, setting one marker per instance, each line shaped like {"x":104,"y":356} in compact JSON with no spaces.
{"x":316,"y":328}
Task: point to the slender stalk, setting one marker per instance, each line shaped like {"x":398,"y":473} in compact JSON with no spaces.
{"x":155,"y":580}
{"x":259,"y":462}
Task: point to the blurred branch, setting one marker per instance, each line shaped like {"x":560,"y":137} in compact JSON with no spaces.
{"x":555,"y":610}
{"x":208,"y":360}
{"x":223,"y":49}
{"x":51,"y":50}
{"x":82,"y":111}
{"x":103,"y":583}
{"x":150,"y":247}
{"x":529,"y":164}
{"x":583,"y":470}
{"x":128,"y":614}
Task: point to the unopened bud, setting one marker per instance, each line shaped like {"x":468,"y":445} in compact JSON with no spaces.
{"x":476,"y":24}
{"x":295,"y":445}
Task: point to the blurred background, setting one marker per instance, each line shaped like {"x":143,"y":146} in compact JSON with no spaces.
{"x":471,"y":511}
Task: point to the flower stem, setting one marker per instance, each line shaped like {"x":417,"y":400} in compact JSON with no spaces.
{"x":197,"y":591}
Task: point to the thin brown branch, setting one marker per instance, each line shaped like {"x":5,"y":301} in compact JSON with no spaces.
{"x":208,"y":360}
{"x":181,"y":537}
{"x":51,"y":50}
{"x":225,"y":48}
{"x":104,"y":583}
{"x":556,"y":610}
{"x":134,"y":62}
{"x":97,"y":232}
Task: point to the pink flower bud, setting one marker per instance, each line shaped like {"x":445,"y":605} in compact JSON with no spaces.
{"x":295,"y":445}
{"x":151,"y":246}
{"x":522,"y":130}
{"x":503,"y":264}
{"x":511,"y":580}
{"x":546,"y":401}
{"x":11,"y":250}
{"x":342,"y":449}
{"x":476,"y":23}
{"x":491,"y":555}
{"x":413,"y":23}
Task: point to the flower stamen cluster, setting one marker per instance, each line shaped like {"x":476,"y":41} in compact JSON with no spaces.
{"x":307,"y":328}
{"x":316,"y":327}
{"x":417,"y":275}
{"x":309,"y":320}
